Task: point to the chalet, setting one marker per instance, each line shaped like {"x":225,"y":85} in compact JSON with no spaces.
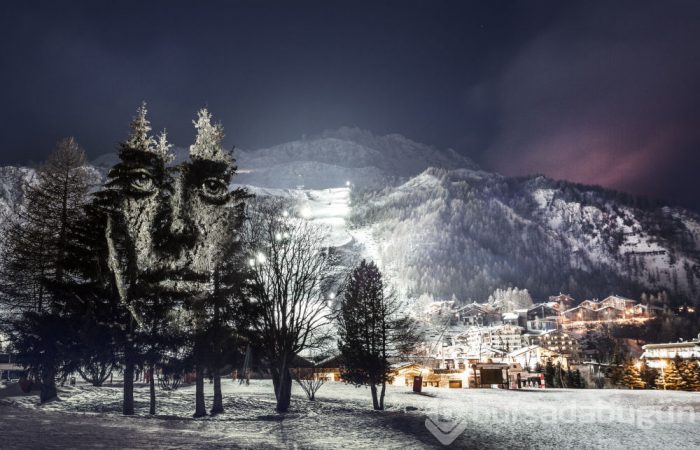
{"x":511,"y":318}
{"x":656,"y":355}
{"x":528,"y":357}
{"x":565,"y":301}
{"x":590,"y":304}
{"x":558,"y":341}
{"x":612,"y":308}
{"x":543,"y":316}
{"x":329,"y":369}
{"x":608,"y":313}
{"x":479,"y":314}
{"x":581,"y":313}
{"x":543,"y":311}
{"x":404,"y":373}
{"x":447,"y":378}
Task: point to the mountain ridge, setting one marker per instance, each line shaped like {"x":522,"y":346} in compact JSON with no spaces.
{"x":458,"y":229}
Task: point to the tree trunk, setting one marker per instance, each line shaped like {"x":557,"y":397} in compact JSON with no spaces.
{"x":373,"y":389}
{"x":152,"y":389}
{"x":218,"y":406}
{"x":128,"y":403}
{"x":381,"y":397}
{"x":48,"y":387}
{"x":282,"y":382}
{"x":200,"y":409}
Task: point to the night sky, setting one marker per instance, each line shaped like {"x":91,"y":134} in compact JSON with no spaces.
{"x":595,"y":92}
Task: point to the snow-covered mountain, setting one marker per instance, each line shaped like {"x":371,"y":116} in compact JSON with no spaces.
{"x":13,"y":181}
{"x":332,"y":158}
{"x":440,"y":225}
{"x":468,"y":232}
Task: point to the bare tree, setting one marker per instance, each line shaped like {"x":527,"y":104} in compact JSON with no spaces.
{"x":292,"y":272}
{"x":309,"y":380}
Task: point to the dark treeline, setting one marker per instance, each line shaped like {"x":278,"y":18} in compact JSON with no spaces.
{"x":162,"y":270}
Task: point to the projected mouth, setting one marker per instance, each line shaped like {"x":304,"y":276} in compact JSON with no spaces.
{"x":178,"y":280}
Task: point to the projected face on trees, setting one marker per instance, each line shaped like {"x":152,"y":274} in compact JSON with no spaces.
{"x":173,"y":219}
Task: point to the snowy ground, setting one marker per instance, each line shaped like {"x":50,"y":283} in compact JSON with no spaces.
{"x":342,"y":417}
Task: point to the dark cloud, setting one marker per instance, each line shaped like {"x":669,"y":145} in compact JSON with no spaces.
{"x":596,"y":92}
{"x":608,"y":95}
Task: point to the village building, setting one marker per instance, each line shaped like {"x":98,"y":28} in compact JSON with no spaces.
{"x":641,"y":310}
{"x":565,"y":301}
{"x":479,"y":314}
{"x":328,"y":369}
{"x":505,"y":338}
{"x":656,"y":355}
{"x":558,"y":341}
{"x":543,"y":316}
{"x":528,"y":357}
{"x":613,"y":308}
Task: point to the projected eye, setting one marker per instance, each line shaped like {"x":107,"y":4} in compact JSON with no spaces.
{"x":142,"y":182}
{"x":214,"y":188}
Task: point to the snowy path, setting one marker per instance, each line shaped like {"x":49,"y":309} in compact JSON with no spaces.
{"x":342,"y":418}
{"x":331,"y":207}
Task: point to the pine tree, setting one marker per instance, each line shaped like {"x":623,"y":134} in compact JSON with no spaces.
{"x":37,"y":247}
{"x":690,"y":375}
{"x":37,"y":238}
{"x":210,"y":317}
{"x":137,"y":150}
{"x":694,"y":383}
{"x":93,"y":308}
{"x":163,"y":147}
{"x":229,"y":312}
{"x":549,"y":374}
{"x":140,"y":138}
{"x":631,"y":376}
{"x":670,"y":377}
{"x":648,"y":375}
{"x":371,"y":331}
{"x":208,"y":143}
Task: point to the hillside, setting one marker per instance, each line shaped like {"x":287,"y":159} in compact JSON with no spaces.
{"x":468,"y":232}
{"x":332,"y":158}
{"x":464,"y":231}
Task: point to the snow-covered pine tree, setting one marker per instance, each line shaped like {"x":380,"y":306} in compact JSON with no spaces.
{"x":209,"y":141}
{"x":208,"y":145}
{"x":163,"y":147}
{"x":140,"y":137}
{"x":138,"y":150}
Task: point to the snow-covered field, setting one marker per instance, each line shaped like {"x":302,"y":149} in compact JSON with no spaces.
{"x":341,"y":417}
